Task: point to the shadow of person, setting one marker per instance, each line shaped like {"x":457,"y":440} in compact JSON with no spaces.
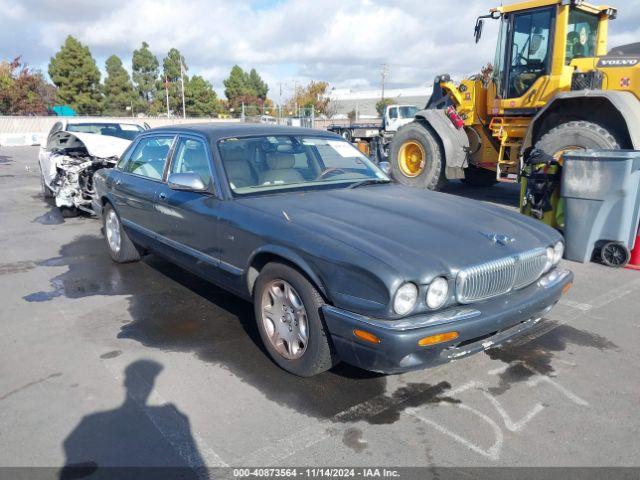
{"x":135,"y":440}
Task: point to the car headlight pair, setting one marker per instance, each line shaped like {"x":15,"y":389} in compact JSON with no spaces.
{"x":554,"y":255}
{"x":406,"y":296}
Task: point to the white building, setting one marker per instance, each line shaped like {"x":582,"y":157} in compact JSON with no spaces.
{"x":344,"y":100}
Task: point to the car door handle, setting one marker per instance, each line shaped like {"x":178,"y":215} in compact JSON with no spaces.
{"x":162,"y":195}
{"x":118,"y":182}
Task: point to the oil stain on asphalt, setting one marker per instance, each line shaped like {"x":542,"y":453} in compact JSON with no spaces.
{"x":52,"y":217}
{"x":538,"y":354}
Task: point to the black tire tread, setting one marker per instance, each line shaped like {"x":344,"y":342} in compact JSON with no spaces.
{"x":606,"y":138}
{"x":128,"y":251}
{"x":325,"y":357}
{"x":432,"y":179}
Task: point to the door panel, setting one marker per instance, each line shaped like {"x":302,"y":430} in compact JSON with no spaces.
{"x":134,"y":184}
{"x":188,"y":221}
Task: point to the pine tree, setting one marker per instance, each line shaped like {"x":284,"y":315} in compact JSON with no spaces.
{"x":118,"y":90}
{"x":248,"y":88}
{"x":200,"y":98}
{"x":257,"y":85}
{"x":171,"y":74}
{"x":73,"y":70}
{"x":144,"y":66}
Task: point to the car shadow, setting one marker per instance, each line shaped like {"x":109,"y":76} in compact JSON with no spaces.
{"x":156,"y":440}
{"x":503,"y":194}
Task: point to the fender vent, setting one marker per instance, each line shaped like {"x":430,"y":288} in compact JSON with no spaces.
{"x":587,"y":80}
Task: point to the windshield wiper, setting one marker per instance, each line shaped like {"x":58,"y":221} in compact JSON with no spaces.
{"x":369,"y":181}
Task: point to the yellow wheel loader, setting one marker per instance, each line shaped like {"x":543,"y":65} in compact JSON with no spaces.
{"x":553,"y":86}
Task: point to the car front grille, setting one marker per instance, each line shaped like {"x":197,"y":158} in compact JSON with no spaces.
{"x":498,"y":277}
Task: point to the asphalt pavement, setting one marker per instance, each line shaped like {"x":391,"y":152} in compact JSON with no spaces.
{"x":145,"y":364}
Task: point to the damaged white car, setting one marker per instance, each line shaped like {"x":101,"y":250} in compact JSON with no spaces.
{"x":74,"y":151}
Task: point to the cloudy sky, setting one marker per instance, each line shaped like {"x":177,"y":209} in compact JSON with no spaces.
{"x":344,"y":42}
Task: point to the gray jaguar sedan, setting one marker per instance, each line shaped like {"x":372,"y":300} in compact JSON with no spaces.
{"x":340,"y":263}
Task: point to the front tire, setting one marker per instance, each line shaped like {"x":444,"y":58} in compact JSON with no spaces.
{"x":576,"y":135}
{"x":287,"y":310}
{"x":121,"y":248}
{"x":416,"y":159}
{"x":46,"y":191}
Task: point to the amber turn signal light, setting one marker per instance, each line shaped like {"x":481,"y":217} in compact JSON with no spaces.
{"x":366,"y":336}
{"x":439,"y":338}
{"x":567,"y":287}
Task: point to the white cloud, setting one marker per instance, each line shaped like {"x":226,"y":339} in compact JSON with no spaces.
{"x":344,"y":42}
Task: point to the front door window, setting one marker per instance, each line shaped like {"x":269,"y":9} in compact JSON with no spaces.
{"x":530,"y":54}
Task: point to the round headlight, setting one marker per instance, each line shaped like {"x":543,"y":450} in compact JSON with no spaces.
{"x":550,"y":257}
{"x":558,"y":252}
{"x":437,"y":293}
{"x":405,"y":299}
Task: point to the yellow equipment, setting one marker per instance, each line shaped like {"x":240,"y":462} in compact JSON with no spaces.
{"x":553,"y":86}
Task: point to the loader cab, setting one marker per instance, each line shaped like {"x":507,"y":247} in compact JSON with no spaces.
{"x":539,"y":43}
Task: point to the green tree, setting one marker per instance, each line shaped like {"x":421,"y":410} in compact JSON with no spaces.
{"x":118,"y":90}
{"x":171,"y":75}
{"x":144,"y":66}
{"x":73,"y":70}
{"x":258,"y":87}
{"x":382,"y":104}
{"x":200,"y":98}
{"x":248,"y":88}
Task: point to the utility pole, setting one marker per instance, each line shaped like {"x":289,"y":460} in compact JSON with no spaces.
{"x":166,"y":92}
{"x":184,"y":111}
{"x":385,"y":74}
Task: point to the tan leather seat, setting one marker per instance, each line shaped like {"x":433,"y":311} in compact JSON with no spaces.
{"x":281,"y":169}
{"x":236,"y":164}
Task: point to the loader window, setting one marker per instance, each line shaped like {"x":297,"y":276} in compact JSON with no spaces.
{"x":582,"y":33}
{"x":530,"y":48}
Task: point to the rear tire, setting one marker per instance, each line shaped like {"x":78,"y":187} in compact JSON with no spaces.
{"x":317,"y":355}
{"x":576,"y":135}
{"x":415,"y":157}
{"x":121,"y":248}
{"x":346,"y":134}
{"x":479,"y":177}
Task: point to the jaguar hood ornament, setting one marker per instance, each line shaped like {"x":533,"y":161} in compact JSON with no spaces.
{"x":497,"y":238}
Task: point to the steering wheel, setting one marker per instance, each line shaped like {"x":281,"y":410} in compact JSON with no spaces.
{"x":331,"y":171}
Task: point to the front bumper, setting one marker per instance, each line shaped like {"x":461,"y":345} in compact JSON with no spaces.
{"x":480,"y":326}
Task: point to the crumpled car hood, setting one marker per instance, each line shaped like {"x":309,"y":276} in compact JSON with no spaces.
{"x":102,"y":146}
{"x":413,"y":231}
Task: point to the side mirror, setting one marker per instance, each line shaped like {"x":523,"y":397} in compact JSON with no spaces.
{"x":188,"y":181}
{"x":477,"y":31}
{"x":385,"y":167}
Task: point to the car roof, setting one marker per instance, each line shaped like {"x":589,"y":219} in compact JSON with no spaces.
{"x":101,"y":120}
{"x":216,"y":131}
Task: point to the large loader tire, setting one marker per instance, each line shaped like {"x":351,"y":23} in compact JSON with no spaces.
{"x":416,"y":159}
{"x":576,"y":135}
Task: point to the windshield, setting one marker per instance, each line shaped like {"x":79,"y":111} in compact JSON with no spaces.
{"x":271,"y":163}
{"x":408,"y":111}
{"x":127,"y":131}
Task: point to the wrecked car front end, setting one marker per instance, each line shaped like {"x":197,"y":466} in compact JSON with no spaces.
{"x":70,"y":161}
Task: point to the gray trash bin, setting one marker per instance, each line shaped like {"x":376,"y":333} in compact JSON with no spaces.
{"x":601,"y":200}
